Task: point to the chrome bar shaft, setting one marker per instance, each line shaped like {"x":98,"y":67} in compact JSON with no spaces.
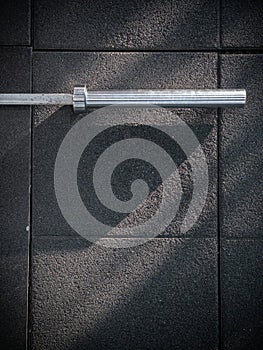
{"x":167,"y":98}
{"x":83,"y":99}
{"x":36,"y":99}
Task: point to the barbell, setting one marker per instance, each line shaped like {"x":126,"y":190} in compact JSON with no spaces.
{"x":81,"y":99}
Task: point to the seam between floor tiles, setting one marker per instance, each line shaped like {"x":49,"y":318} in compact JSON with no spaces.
{"x":166,"y":237}
{"x":32,"y":23}
{"x":30,"y":250}
{"x":219,"y":115}
{"x":241,"y":239}
{"x":219,"y":119}
{"x":216,"y":51}
{"x":219,"y":26}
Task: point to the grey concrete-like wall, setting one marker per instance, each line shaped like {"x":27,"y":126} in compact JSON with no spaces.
{"x":199,"y":290}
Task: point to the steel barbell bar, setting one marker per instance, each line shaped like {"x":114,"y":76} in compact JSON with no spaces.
{"x":81,"y":99}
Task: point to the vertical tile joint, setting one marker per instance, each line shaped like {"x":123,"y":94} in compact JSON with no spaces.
{"x":219,"y":120}
{"x":28,"y":333}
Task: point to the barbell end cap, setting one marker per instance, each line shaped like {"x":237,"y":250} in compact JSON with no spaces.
{"x":80,"y":99}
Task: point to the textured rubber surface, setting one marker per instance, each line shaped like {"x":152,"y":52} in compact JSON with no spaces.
{"x":125,"y":24}
{"x":242,"y":265}
{"x":169,"y":293}
{"x":116,"y":70}
{"x":242,"y":24}
{"x":241,"y":149}
{"x":15,"y":18}
{"x":14,"y":199}
{"x":141,"y":298}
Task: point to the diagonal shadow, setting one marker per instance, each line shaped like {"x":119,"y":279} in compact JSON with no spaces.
{"x":47,"y":218}
{"x":159,"y":292}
